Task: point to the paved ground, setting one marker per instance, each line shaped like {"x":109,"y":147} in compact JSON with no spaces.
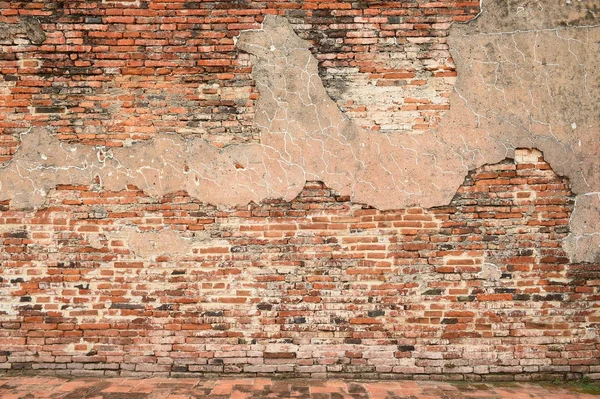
{"x":259,"y":388}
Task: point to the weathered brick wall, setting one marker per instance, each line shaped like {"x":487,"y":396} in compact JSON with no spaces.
{"x":477,"y":289}
{"x":101,"y":273}
{"x":109,"y":72}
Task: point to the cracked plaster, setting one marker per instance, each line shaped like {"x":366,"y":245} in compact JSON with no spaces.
{"x":583,"y":244}
{"x":151,"y":244}
{"x":528,"y":77}
{"x":520,"y":84}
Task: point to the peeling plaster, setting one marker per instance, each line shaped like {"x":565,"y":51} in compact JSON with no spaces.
{"x":150,"y":244}
{"x":153,"y":243}
{"x":520,"y":84}
{"x":304,"y":137}
{"x":583,"y":243}
{"x":490,"y":271}
{"x":528,"y":77}
{"x":525,"y":15}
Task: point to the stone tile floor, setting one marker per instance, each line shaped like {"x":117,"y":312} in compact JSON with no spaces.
{"x":28,"y":387}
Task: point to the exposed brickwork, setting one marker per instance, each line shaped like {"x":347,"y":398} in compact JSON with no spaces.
{"x":103,"y":283}
{"x":108,"y":72}
{"x":479,"y":289}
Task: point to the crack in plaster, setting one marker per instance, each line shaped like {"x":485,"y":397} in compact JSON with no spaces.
{"x":514,"y":89}
{"x":537,"y":87}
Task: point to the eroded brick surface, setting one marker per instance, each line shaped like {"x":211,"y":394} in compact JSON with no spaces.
{"x":198,"y":250}
{"x":528,"y":80}
{"x":113,"y":71}
{"x":117,"y":282}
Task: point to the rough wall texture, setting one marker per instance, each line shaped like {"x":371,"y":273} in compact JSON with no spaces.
{"x":113,"y":71}
{"x":103,"y":281}
{"x":301,"y":187}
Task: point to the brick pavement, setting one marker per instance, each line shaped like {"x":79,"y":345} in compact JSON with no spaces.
{"x":258,"y":388}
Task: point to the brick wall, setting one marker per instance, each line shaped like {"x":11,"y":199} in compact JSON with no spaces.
{"x":478,"y":289}
{"x":111,"y":72}
{"x":99,"y":282}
